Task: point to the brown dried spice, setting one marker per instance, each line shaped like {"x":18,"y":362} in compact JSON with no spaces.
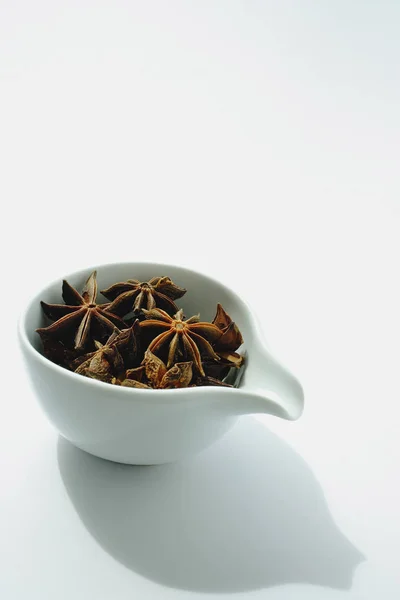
{"x":189,"y":338}
{"x":79,"y":314}
{"x":132,"y":295}
{"x":109,"y":360}
{"x":160,"y":352}
{"x":225,"y":346}
{"x":157,"y":375}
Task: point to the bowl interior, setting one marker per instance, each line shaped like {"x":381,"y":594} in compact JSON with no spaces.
{"x":202,"y":295}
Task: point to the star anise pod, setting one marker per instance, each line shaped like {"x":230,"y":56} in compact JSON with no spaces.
{"x":129,"y":346}
{"x":188,"y":338}
{"x":154,"y":374}
{"x":225,"y":346}
{"x":231,"y":337}
{"x":133,"y":295}
{"x":227,"y":361}
{"x":104,"y":364}
{"x":80,"y":315}
{"x":109,"y":360}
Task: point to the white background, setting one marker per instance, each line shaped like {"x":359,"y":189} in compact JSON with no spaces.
{"x":257,"y":141}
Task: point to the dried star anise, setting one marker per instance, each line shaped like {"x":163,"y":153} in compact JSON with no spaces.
{"x":231,"y":337}
{"x":154,"y":374}
{"x":225,"y":346}
{"x":109,"y":361}
{"x":189,"y":338}
{"x":104,"y":364}
{"x":80,"y":314}
{"x":160,"y":350}
{"x":133,"y":295}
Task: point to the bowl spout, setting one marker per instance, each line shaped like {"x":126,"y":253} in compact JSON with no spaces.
{"x":267,"y":387}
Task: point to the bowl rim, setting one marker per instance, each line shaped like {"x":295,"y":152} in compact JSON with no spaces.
{"x":121,"y":390}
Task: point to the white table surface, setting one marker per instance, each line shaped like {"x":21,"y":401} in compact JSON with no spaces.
{"x":259,"y":142}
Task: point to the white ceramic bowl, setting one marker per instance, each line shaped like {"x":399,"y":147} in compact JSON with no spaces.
{"x":155,"y":426}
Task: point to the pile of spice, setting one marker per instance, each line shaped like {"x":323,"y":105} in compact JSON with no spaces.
{"x":140,"y":338}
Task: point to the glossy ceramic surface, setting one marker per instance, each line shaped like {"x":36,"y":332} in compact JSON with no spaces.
{"x":156,"y":426}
